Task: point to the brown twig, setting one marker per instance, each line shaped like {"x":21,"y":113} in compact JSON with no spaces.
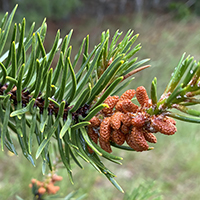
{"x":135,"y":71}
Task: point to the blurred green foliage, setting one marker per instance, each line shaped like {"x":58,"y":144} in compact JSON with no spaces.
{"x":146,"y":190}
{"x":38,"y":9}
{"x":180,"y":10}
{"x":63,"y":9}
{"x":197,"y":7}
{"x":184,"y":9}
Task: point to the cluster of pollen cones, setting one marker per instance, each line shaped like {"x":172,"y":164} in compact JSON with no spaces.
{"x":123,"y":121}
{"x":47,"y":186}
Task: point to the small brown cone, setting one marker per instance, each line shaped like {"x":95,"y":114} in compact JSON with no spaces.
{"x":94,"y":136}
{"x":129,"y":106}
{"x":39,"y":183}
{"x":139,"y":138}
{"x":163,"y":125}
{"x":129,"y":94}
{"x":150,"y":137}
{"x":131,"y":142}
{"x":105,"y":145}
{"x":41,"y":190}
{"x":105,"y":129}
{"x":56,"y":178}
{"x":138,"y":121}
{"x":95,"y":122}
{"x":118,"y":106}
{"x":118,"y":137}
{"x":125,"y":129}
{"x":142,"y":97}
{"x":111,"y":102}
{"x":127,"y":119}
{"x":168,"y":119}
{"x":115,"y":120}
{"x":33,"y":180}
{"x":52,"y":189}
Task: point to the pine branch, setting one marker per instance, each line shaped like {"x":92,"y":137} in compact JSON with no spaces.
{"x":74,"y":110}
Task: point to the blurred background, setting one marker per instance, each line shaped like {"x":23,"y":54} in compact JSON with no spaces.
{"x":167,"y":29}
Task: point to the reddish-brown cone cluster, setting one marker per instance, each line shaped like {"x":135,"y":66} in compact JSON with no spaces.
{"x":47,"y":186}
{"x":126,"y":121}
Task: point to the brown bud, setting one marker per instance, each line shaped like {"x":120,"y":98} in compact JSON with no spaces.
{"x":39,"y":183}
{"x":142,"y":97}
{"x":131,"y":142}
{"x":94,"y":136}
{"x":41,"y":190}
{"x":95,"y":122}
{"x":127,"y":119}
{"x":33,"y":180}
{"x":55,"y":178}
{"x":163,"y":125}
{"x":52,"y":189}
{"x":105,"y":129}
{"x":129,"y":94}
{"x":115,"y":120}
{"x":139,"y":138}
{"x":118,"y":137}
{"x":56,"y":189}
{"x":118,"y":106}
{"x":111,"y":102}
{"x":150,"y":137}
{"x":138,"y":121}
{"x":168,"y":119}
{"x":129,"y":106}
{"x":125,"y":129}
{"x":105,"y":145}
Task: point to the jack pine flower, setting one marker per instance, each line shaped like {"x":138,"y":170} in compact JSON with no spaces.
{"x":125,"y":129}
{"x":41,"y":190}
{"x":47,"y":186}
{"x":131,"y":142}
{"x":105,"y":129}
{"x":111,"y":102}
{"x":150,"y":137}
{"x":129,"y":94}
{"x":170,"y":120}
{"x":52,"y":189}
{"x":33,"y":180}
{"x":39,"y":183}
{"x":142,"y":96}
{"x":55,"y":178}
{"x":127,"y":119}
{"x":118,"y":137}
{"x":105,"y":145}
{"x":118,"y":106}
{"x":95,"y":122}
{"x":94,"y":136}
{"x":115,"y":120}
{"x":163,"y":125}
{"x":139,"y":120}
{"x":129,"y":106}
{"x":139,"y":138}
